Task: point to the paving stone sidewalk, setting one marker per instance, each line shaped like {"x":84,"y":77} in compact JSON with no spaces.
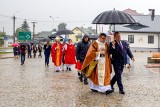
{"x":34,"y":85}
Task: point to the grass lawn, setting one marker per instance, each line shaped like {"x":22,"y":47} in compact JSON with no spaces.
{"x":5,"y":52}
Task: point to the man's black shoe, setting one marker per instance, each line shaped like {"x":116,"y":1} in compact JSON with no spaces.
{"x":94,"y":90}
{"x":109,"y":92}
{"x":112,"y":87}
{"x":85,"y":82}
{"x":67,"y":69}
{"x":79,"y":74}
{"x":121,"y":92}
{"x":80,"y":78}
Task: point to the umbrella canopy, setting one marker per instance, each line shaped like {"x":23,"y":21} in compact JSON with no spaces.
{"x":15,"y":44}
{"x":64,"y":32}
{"x":35,"y":41}
{"x":45,"y":39}
{"x":136,"y":26}
{"x":53,"y":36}
{"x":114,"y":17}
{"x":24,"y":43}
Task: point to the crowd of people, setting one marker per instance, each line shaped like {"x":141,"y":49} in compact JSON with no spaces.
{"x":20,"y":51}
{"x":93,"y":60}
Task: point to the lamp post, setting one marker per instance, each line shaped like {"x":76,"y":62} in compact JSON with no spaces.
{"x":14,"y":19}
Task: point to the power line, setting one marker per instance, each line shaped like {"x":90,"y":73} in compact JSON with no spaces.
{"x":44,"y":21}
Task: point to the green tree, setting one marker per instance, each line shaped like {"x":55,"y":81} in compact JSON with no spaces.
{"x":25,"y":27}
{"x":18,"y":30}
{"x":2,"y":34}
{"x":62,"y":26}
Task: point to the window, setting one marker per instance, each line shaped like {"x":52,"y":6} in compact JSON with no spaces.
{"x":131,"y":38}
{"x":151,"y":39}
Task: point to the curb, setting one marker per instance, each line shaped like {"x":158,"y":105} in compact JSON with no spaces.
{"x":5,"y":57}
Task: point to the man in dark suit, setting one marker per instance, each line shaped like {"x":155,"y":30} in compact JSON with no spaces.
{"x":119,"y":50}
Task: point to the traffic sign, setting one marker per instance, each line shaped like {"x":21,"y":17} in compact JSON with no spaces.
{"x":24,"y":36}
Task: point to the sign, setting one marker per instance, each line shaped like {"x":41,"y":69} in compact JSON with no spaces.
{"x":24,"y":36}
{"x":5,"y":38}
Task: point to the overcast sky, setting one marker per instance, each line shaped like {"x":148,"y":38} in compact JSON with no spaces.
{"x":75,"y":13}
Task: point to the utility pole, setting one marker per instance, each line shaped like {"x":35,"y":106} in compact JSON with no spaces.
{"x":33,"y":28}
{"x":3,"y":29}
{"x":96,"y":29}
{"x":14,"y":19}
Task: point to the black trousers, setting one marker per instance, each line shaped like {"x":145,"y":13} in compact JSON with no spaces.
{"x":29,"y":54}
{"x":118,"y":69}
{"x":47,"y":59}
{"x":22,"y":58}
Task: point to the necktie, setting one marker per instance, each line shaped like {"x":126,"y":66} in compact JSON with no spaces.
{"x":120,"y":45}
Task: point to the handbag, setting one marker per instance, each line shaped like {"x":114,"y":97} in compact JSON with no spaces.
{"x":78,"y":65}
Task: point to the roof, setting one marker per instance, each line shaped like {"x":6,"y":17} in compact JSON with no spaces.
{"x":45,"y":33}
{"x":153,"y":26}
{"x":131,"y":12}
{"x":87,"y":31}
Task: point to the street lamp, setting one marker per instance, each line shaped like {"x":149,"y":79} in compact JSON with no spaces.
{"x":14,"y":19}
{"x":53,"y":20}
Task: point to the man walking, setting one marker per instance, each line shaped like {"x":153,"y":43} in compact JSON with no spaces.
{"x":81,"y":52}
{"x":23,"y":53}
{"x":47,"y":51}
{"x":97,"y":66}
{"x":119,"y":50}
{"x":40,"y":50}
{"x":29,"y":49}
{"x":34,"y":50}
{"x":57,"y":53}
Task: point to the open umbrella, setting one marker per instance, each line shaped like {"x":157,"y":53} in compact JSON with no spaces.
{"x":136,"y":26}
{"x":15,"y":44}
{"x":64,"y":32}
{"x":114,"y":17}
{"x":45,"y":39}
{"x":53,"y":36}
{"x":24,"y":43}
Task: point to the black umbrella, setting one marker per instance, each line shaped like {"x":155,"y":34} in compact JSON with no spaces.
{"x":53,"y":36}
{"x":114,"y":17}
{"x":64,"y":32}
{"x":136,"y":26}
{"x":24,"y":43}
{"x":45,"y":39}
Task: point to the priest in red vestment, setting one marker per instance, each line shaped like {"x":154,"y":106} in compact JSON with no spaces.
{"x":56,"y":53}
{"x":70,"y":55}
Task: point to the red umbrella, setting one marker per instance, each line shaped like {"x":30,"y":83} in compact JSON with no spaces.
{"x":15,"y":44}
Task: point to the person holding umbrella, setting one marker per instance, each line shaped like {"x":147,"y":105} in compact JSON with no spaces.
{"x":47,"y":50}
{"x":16,"y":52}
{"x":57,"y":52}
{"x":119,"y":50}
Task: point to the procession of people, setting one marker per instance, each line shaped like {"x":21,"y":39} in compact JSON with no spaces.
{"x":93,"y":60}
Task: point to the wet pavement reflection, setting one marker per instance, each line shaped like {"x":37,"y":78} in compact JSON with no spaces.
{"x":34,"y":85}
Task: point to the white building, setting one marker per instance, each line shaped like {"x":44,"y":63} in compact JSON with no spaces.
{"x":142,"y":37}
